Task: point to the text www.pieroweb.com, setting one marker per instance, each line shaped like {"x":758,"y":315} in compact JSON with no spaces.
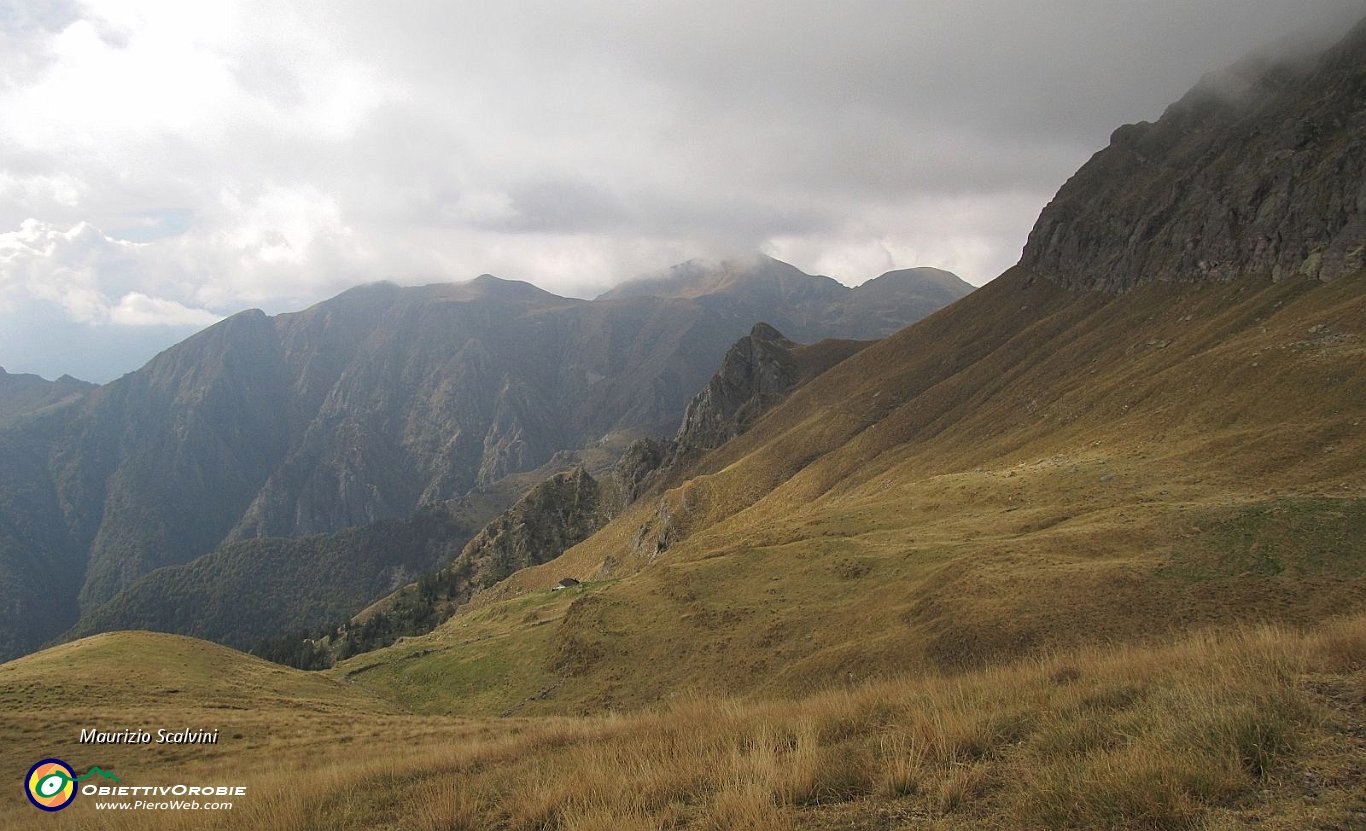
{"x":166,"y":798}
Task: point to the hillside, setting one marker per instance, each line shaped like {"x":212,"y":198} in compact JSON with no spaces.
{"x":1043,"y":464}
{"x":1260,"y":727}
{"x":362,"y":408}
{"x":1119,"y":468}
{"x":757,"y":372}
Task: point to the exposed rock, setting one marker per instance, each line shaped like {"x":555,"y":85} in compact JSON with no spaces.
{"x":1259,"y":172}
{"x":641,"y":459}
{"x":755,"y":374}
{"x":557,"y":514}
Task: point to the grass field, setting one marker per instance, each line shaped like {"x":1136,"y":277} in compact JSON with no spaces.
{"x":1260,"y":727}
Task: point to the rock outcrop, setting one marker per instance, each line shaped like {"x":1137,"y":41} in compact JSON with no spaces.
{"x":1259,"y":172}
{"x":756,"y":373}
{"x":561,"y":512}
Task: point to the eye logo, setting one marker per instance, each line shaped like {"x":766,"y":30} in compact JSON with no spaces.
{"x":51,"y":785}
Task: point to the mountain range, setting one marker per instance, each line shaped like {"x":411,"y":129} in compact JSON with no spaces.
{"x":1114,"y":440}
{"x":1083,"y":549}
{"x":364,"y":408}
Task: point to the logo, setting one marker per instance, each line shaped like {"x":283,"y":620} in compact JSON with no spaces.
{"x":51,"y":784}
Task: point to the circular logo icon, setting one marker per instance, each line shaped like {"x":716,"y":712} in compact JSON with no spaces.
{"x":51,"y":785}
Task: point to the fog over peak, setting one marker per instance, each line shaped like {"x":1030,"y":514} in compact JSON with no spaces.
{"x":253,"y":154}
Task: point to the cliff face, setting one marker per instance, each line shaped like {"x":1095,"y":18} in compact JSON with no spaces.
{"x":756,"y":372}
{"x":1259,"y":172}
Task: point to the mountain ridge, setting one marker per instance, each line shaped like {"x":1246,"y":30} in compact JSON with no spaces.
{"x":358,"y":409}
{"x":1117,"y":450}
{"x":1257,"y":172}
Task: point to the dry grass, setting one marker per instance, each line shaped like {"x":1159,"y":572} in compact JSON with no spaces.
{"x":1029,"y":470}
{"x":1181,"y":736}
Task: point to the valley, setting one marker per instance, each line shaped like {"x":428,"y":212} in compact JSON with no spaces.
{"x":1083,"y":548}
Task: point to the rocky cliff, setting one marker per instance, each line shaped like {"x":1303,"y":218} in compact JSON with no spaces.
{"x":1259,"y":172}
{"x":755,"y":373}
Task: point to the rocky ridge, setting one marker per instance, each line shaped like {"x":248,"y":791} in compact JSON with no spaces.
{"x":1257,"y":172}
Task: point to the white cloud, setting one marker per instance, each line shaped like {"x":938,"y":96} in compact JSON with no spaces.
{"x":80,"y":269}
{"x":137,"y":309}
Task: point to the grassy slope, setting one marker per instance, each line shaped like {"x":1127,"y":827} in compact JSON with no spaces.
{"x":1030,"y":469}
{"x":1259,"y":727}
{"x":271,"y":719}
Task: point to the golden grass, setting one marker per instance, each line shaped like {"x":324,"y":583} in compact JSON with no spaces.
{"x":1202,"y":731}
{"x":1028,"y":470}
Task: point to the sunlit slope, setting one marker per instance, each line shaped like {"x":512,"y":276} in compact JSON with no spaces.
{"x":143,"y":680}
{"x":272,"y":721}
{"x":1028,"y":469}
{"x":1255,"y":728}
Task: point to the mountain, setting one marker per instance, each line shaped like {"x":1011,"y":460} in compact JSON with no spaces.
{"x":1255,"y":173}
{"x":23,"y":396}
{"x":1082,"y":550}
{"x":807,"y":308}
{"x":362,"y":408}
{"x":1109,"y":443}
{"x":757,"y":371}
{"x":253,"y":589}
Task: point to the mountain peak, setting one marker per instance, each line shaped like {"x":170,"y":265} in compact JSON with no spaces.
{"x":487,"y":285}
{"x":1255,"y":173}
{"x":922,"y":277}
{"x":702,"y":277}
{"x":765,"y":332}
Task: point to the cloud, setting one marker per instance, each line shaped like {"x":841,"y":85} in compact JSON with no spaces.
{"x":271,"y":154}
{"x":80,"y":270}
{"x":137,"y":309}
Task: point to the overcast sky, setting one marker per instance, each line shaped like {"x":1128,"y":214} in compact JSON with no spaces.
{"x":163,"y":164}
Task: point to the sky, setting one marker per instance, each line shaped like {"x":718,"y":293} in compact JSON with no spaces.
{"x":164,"y":164}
